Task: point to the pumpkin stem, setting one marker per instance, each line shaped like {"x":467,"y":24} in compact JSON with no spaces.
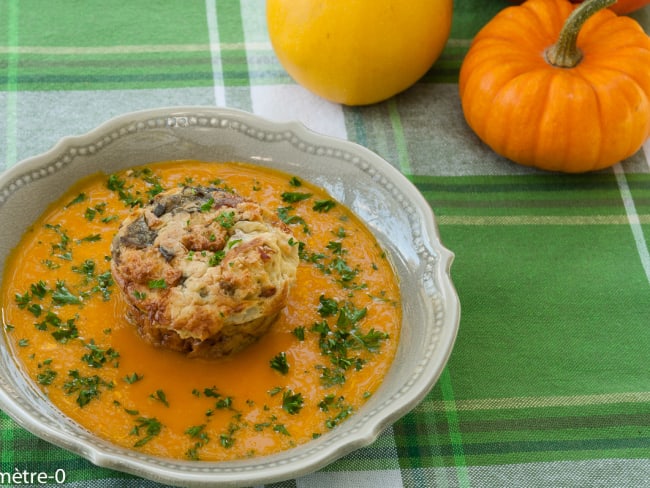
{"x":565,"y":53}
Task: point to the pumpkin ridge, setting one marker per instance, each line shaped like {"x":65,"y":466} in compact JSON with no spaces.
{"x":548,"y":20}
{"x":601,"y":124}
{"x":505,"y":140}
{"x":551,"y":147}
{"x":496,"y":87}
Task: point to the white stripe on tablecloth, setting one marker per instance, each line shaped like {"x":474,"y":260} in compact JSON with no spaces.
{"x":510,"y":403}
{"x":292,"y":102}
{"x":390,"y":478}
{"x":215,"y":53}
{"x":633,"y":218}
{"x":612,"y":473}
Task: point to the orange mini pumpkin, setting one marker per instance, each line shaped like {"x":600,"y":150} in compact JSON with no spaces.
{"x":620,"y":7}
{"x":559,"y":87}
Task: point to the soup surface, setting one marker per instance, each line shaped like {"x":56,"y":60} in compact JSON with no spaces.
{"x":324,"y":356}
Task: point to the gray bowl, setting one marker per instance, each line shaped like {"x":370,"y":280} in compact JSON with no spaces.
{"x":383,"y":198}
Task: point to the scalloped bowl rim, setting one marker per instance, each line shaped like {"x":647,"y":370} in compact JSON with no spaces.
{"x":366,"y":424}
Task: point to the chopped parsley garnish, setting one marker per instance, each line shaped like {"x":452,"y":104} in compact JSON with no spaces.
{"x":283,"y":214}
{"x":346,"y":273}
{"x":104,"y":282}
{"x":261,"y":426}
{"x":224,"y":403}
{"x":207,"y":206}
{"x":60,"y":249}
{"x":349,"y":316}
{"x":119,"y":186}
{"x":233,"y":242}
{"x":22,"y":300}
{"x":46,"y":377}
{"x":63,"y":296}
{"x":160,"y":284}
{"x":49,"y":264}
{"x":87,"y":268}
{"x":227,"y":440}
{"x":337,"y":342}
{"x":140,"y":295}
{"x":150,"y":426}
{"x":323,"y":205}
{"x":327,"y":402}
{"x":35,"y":309}
{"x":132,"y":378}
{"x":372,"y":340}
{"x":195,"y":431}
{"x":294,"y":197}
{"x":216,"y":258}
{"x":90,"y":238}
{"x":97,"y":356}
{"x":281,"y":429}
{"x":344,"y":412}
{"x":155,"y":188}
{"x":39,"y":289}
{"x":331,"y":377}
{"x":335,"y":246}
{"x":91,"y":212}
{"x":78,"y":199}
{"x":201,"y":438}
{"x":280,"y":364}
{"x":160,"y":396}
{"x":330,"y":403}
{"x":299,"y":332}
{"x":86,"y":387}
{"x":100,"y":283}
{"x":226,"y":219}
{"x":211,"y":392}
{"x":64,"y":331}
{"x":327,"y":306}
{"x":292,"y":402}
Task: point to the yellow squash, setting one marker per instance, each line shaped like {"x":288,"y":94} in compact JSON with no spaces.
{"x":358,"y":52}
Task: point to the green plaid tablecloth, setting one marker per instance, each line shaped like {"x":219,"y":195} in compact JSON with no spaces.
{"x":549,"y":381}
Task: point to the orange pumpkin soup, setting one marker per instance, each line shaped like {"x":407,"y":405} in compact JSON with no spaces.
{"x":324,"y":356}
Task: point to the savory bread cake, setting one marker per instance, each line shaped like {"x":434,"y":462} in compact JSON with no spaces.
{"x":205,"y":271}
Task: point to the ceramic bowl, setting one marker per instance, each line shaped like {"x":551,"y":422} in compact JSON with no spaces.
{"x":384,"y":199}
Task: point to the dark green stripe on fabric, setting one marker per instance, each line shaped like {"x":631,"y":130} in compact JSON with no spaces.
{"x":552,"y":195}
{"x":455,"y":434}
{"x":88,"y":71}
{"x":500,"y":436}
{"x":7,"y":432}
{"x":113,"y":71}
